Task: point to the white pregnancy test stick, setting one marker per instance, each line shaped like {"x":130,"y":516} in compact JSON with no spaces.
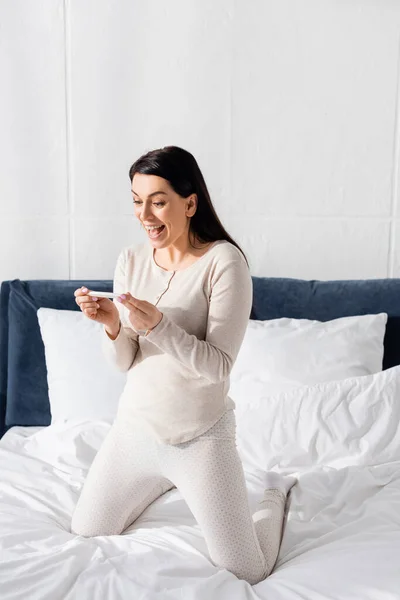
{"x":103,"y":294}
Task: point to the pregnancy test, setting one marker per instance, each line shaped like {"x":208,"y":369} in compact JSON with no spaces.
{"x":103,"y":294}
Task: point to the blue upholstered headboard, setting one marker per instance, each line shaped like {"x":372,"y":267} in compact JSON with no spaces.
{"x":23,"y":383}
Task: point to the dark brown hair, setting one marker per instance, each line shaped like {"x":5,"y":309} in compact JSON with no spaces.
{"x":181,"y":170}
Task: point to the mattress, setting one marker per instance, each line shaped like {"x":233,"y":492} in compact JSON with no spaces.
{"x":341,"y":539}
{"x":18,"y":431}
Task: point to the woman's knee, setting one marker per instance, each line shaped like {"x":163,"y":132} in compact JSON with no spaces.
{"x":87,"y":526}
{"x":252,"y":572}
{"x":252,"y":576}
{"x":81,"y":527}
{"x":91,"y":529}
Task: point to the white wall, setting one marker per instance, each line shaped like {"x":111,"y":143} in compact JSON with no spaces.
{"x":290,"y":107}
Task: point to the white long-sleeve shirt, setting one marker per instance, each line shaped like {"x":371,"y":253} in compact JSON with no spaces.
{"x":178,"y":375}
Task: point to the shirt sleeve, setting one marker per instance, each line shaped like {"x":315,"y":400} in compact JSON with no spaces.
{"x":229,"y":312}
{"x":121,"y":352}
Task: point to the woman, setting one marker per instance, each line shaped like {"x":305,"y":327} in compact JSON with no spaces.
{"x":176,"y":328}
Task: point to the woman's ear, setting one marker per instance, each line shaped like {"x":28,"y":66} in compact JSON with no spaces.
{"x":191,"y":205}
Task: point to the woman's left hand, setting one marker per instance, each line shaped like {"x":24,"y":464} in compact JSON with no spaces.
{"x":142,"y":314}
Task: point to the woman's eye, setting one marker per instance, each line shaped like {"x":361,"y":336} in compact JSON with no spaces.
{"x":158,"y":204}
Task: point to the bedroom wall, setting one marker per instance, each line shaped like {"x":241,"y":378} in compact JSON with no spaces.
{"x":291,"y":109}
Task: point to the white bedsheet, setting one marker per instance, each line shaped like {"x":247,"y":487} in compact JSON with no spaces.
{"x":341,"y":542}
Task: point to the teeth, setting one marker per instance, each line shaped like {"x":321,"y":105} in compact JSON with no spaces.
{"x":150,"y":227}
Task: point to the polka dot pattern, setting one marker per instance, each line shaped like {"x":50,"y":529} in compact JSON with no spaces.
{"x":132,"y":469}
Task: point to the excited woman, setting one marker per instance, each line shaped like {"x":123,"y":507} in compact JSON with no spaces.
{"x":176,"y":328}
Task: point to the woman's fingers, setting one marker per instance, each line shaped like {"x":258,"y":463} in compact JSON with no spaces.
{"x":87,"y":304}
{"x":139,"y":304}
{"x":136,"y":317}
{"x":142,"y":314}
{"x":82,"y":291}
{"x":81,"y":299}
{"x":133,"y":303}
{"x":90,"y":309}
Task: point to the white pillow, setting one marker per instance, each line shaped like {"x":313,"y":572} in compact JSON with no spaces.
{"x":335,"y":424}
{"x":284,"y":353}
{"x":82,"y":384}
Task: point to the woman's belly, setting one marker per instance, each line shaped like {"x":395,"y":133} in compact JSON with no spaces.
{"x":171,"y":398}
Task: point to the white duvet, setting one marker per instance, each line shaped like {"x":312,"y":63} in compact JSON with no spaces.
{"x":342,"y":535}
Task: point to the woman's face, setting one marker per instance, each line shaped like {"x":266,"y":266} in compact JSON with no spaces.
{"x":161,"y":211}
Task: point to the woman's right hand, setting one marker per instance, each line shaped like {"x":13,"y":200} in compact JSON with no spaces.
{"x":101,"y":310}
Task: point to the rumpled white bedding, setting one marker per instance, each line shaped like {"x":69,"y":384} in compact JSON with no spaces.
{"x":341,"y":541}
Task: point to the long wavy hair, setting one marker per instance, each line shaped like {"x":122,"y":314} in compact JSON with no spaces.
{"x":180,"y":169}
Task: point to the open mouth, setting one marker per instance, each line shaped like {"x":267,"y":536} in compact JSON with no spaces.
{"x":155,"y":232}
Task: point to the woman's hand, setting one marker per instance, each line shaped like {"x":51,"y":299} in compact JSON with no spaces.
{"x":143,"y":316}
{"x":101,"y":310}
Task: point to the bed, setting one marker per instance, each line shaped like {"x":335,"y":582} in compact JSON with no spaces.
{"x":342,"y":528}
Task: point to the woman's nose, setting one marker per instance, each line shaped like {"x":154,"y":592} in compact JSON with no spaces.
{"x":146,"y":211}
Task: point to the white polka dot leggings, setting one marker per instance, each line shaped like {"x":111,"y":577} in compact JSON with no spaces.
{"x":132,"y":469}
